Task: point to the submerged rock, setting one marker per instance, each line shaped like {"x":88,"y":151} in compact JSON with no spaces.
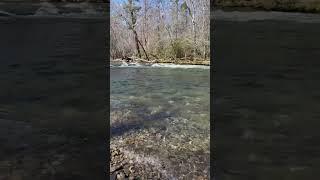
{"x":162,"y":153}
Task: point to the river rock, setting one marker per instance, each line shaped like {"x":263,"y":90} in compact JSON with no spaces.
{"x":120,"y":176}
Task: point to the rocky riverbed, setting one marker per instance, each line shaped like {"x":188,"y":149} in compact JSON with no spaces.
{"x":159,"y":123}
{"x":162,"y":153}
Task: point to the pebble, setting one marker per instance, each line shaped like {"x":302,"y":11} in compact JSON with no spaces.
{"x":158,"y":136}
{"x":131,"y":169}
{"x":120,"y":176}
{"x":126,"y":171}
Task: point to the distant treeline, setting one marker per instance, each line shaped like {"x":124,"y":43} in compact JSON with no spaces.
{"x":160,"y":29}
{"x":275,"y":5}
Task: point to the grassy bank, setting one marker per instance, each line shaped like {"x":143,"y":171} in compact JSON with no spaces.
{"x":310,"y":6}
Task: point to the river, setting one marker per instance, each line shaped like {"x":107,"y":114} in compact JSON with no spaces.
{"x":162,"y":113}
{"x":53,"y":89}
{"x":266,"y":95}
{"x":52,"y":111}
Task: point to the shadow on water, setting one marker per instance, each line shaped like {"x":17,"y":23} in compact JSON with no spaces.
{"x":148,"y":121}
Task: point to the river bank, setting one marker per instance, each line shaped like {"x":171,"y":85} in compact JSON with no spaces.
{"x":183,"y":61}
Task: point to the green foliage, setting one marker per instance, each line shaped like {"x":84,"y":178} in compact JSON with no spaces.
{"x":182,"y":47}
{"x":185,"y":7}
{"x":177,"y":49}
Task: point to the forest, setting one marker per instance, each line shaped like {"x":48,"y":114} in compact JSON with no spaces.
{"x":160,"y":29}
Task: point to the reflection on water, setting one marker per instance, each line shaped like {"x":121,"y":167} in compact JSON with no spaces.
{"x":267,"y":100}
{"x":171,"y":104}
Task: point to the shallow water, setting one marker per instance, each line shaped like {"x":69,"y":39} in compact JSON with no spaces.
{"x":165,"y":91}
{"x":52,"y":76}
{"x":266,"y":91}
{"x":173,"y":100}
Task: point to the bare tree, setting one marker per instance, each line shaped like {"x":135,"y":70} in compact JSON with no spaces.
{"x":162,"y":28}
{"x":132,"y":9}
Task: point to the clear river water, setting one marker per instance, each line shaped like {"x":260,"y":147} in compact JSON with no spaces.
{"x":170,"y":100}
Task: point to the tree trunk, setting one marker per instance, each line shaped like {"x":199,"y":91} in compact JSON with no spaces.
{"x":145,"y":27}
{"x":194,"y":30}
{"x":194,"y":37}
{"x":171,"y":42}
{"x":159,"y":23}
{"x":145,"y":53}
{"x":137,"y":42}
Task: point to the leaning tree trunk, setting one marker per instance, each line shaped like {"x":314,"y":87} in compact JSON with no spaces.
{"x":137,"y":42}
{"x":133,"y":25}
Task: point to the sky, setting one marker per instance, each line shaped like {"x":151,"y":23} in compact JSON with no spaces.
{"x":118,"y":1}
